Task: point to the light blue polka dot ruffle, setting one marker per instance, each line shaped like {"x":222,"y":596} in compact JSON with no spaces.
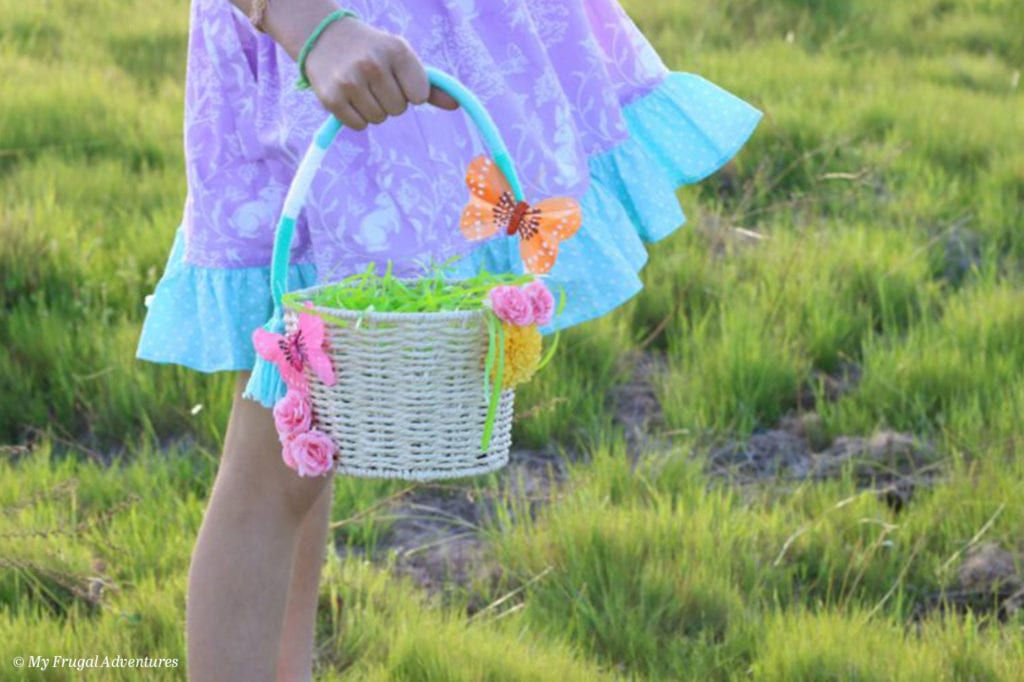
{"x":203,"y":318}
{"x":680,"y":132}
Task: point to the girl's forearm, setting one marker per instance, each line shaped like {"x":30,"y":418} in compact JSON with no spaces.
{"x":289,"y":22}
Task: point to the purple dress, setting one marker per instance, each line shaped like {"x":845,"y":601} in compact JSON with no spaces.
{"x":586,"y":107}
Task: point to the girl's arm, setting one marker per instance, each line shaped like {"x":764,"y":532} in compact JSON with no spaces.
{"x":360,"y":74}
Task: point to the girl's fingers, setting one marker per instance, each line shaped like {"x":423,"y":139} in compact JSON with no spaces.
{"x":389,"y":94}
{"x":410,"y":74}
{"x":440,"y":98}
{"x":367,"y":105}
{"x":349,"y":117}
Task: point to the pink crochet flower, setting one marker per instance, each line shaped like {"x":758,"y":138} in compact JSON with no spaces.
{"x":541,"y":300}
{"x":310,"y":453}
{"x":511,"y":305}
{"x":293,"y":414}
{"x":287,"y":455}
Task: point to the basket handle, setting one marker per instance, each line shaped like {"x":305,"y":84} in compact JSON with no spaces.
{"x":325,"y":135}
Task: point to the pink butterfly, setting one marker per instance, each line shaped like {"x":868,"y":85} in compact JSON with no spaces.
{"x":292,"y":351}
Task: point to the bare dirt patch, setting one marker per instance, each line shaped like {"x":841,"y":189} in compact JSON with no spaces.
{"x":798,"y":448}
{"x":635,"y":405}
{"x":892,"y":463}
{"x":895,"y":464}
{"x":990,"y":579}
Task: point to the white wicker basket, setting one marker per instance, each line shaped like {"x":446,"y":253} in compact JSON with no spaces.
{"x":408,"y":402}
{"x":410,"y":399}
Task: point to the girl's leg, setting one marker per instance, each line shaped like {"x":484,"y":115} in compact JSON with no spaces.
{"x":295,"y":662}
{"x":242,"y":563}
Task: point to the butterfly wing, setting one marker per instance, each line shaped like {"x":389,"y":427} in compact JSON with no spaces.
{"x":486,"y":185}
{"x":312,"y":332}
{"x":266,"y":344}
{"x":312,"y":335}
{"x":272,"y":347}
{"x":555,"y":220}
{"x":321,"y":364}
{"x":559,"y":218}
{"x":538,"y":253}
{"x":478,"y":220}
{"x":485,"y":180}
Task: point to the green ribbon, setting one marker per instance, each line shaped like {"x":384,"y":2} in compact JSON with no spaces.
{"x":554,"y":343}
{"x":494,"y":328}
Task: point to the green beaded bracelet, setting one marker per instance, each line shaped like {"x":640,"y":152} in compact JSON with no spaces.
{"x":303,"y":83}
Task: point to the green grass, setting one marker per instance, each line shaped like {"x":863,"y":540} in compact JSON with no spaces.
{"x":881,"y":203}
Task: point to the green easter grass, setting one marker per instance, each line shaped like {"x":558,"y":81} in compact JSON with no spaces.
{"x":371,"y":292}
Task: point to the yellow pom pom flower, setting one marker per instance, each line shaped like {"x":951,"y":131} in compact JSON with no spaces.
{"x":522,"y":354}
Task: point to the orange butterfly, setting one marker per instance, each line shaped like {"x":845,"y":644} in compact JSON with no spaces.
{"x":492,"y":208}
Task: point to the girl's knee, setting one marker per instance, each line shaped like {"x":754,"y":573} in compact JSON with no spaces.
{"x":298,"y":495}
{"x":252,"y":456}
{"x":271,"y":485}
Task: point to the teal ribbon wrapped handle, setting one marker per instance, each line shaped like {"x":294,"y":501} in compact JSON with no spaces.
{"x":265,"y":384}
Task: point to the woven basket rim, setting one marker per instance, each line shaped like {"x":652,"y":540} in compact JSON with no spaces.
{"x":346,"y":313}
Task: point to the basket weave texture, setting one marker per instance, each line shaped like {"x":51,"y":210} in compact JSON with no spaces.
{"x":409,"y":399}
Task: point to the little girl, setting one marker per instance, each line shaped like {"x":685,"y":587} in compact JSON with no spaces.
{"x":588,"y":110}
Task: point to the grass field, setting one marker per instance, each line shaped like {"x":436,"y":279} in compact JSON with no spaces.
{"x":857,"y":274}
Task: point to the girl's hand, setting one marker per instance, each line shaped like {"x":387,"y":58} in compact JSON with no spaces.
{"x":363,"y":75}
